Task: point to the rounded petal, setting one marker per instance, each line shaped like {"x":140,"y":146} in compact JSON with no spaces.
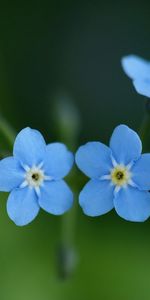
{"x":142,"y":86}
{"x":94,"y":159}
{"x":141,"y":172}
{"x":58,"y":160}
{"x":96,"y":198}
{"x":125,"y":144}
{"x":56,"y":197}
{"x":22,"y":206}
{"x":11,"y":174}
{"x":135,"y":67}
{"x":29,"y":147}
{"x":132,"y":204}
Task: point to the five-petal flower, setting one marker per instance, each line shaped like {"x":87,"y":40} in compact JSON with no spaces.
{"x":120,"y":176}
{"x":138,"y":69}
{"x":33,"y":176}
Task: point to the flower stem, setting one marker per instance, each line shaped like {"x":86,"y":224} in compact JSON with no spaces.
{"x":144,"y":130}
{"x":67,"y":125}
{"x":67,"y":255}
{"x":7,"y":131}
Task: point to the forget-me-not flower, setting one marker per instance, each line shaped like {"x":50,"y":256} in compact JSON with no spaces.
{"x":138,"y":69}
{"x":120,"y":176}
{"x":33,"y":176}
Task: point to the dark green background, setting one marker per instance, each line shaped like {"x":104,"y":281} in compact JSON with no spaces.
{"x":52,"y":49}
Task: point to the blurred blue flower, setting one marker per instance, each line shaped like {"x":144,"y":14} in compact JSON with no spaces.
{"x":120,"y":176}
{"x":34,"y":177}
{"x":138,"y":70}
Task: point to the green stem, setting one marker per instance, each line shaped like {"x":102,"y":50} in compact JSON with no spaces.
{"x":67,"y":254}
{"x":67,"y":124}
{"x":7,"y":131}
{"x":67,"y":257}
{"x":68,"y":226}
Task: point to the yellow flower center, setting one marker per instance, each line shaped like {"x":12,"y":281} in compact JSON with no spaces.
{"x":120,"y":175}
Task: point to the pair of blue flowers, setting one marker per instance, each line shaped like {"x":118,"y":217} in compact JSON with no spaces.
{"x":119,"y":174}
{"x":120,"y":177}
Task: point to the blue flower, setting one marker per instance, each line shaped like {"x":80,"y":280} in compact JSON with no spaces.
{"x":138,"y":70}
{"x":120,"y":176}
{"x":33,"y":176}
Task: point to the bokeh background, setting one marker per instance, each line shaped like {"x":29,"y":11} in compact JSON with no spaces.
{"x":51,"y":50}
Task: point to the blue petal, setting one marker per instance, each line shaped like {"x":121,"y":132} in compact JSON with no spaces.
{"x":11,"y":174}
{"x":125,"y":144}
{"x":29,"y":147}
{"x":22,"y":206}
{"x":94,"y":159}
{"x":141,"y":172}
{"x":142,"y":86}
{"x":56,"y":197}
{"x":96,"y":198}
{"x":136,"y":67}
{"x":58,"y":160}
{"x":132,"y":204}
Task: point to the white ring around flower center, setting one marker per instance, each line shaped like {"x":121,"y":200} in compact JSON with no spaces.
{"x":120,"y":175}
{"x":34,"y":177}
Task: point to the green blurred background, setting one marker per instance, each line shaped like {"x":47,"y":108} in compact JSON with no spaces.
{"x":55,"y":49}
